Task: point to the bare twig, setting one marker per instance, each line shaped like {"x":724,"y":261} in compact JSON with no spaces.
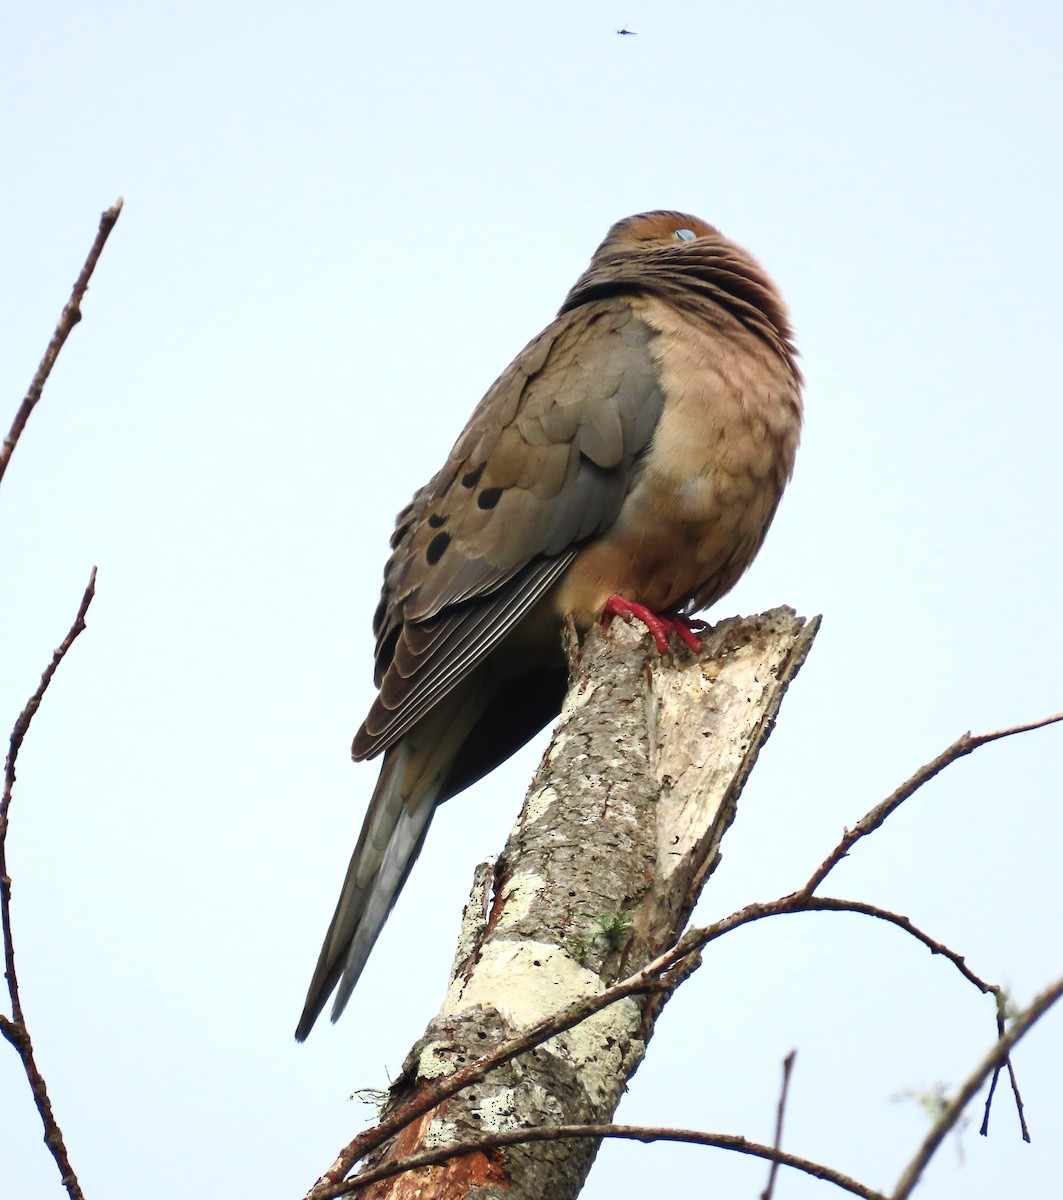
{"x":829,"y":904}
{"x":787,"y":1071}
{"x":1002,"y":1016}
{"x":69,"y":317}
{"x":14,"y":1029}
{"x":638,"y":1133}
{"x":1002,"y":1021}
{"x":951,"y":1114}
{"x":962,"y":746}
{"x":1020,"y":1111}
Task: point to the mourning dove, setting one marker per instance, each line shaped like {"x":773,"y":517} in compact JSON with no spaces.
{"x":628,"y":461}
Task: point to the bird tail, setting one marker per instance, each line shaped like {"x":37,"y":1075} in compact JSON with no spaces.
{"x":394,"y":831}
{"x":451,"y":747}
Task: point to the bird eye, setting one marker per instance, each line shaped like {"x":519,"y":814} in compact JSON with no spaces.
{"x":686,"y":235}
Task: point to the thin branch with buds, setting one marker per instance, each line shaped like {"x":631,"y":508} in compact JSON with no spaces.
{"x":69,"y":317}
{"x":961,"y":747}
{"x":14,"y":1029}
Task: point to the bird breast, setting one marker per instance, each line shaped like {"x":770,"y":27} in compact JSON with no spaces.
{"x":709,"y":482}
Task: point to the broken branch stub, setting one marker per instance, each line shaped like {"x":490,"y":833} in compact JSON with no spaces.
{"x":619,"y":831}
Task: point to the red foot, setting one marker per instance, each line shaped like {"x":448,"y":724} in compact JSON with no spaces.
{"x":659,"y":624}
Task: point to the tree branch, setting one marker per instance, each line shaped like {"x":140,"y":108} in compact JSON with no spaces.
{"x":637,"y":1133}
{"x":961,"y":747}
{"x":993,"y":1060}
{"x":1002,"y":1016}
{"x":829,"y":904}
{"x":784,"y":1091}
{"x":15,"y":1029}
{"x":69,"y":317}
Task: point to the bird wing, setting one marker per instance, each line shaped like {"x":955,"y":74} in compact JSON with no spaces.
{"x":542,"y":467}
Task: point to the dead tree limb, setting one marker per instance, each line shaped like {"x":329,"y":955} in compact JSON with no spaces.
{"x":619,"y":832}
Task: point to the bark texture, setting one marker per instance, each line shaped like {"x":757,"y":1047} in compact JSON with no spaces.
{"x":619,"y":831}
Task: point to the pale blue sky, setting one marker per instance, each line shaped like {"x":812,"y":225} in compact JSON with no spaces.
{"x":340,"y":225}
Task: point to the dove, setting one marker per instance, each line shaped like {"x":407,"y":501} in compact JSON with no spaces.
{"x":629,"y":462}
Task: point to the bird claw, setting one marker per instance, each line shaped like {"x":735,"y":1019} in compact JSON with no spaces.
{"x":660,"y":625}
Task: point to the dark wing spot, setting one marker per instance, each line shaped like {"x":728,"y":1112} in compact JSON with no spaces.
{"x":436,"y":547}
{"x":489,"y":497}
{"x":471,"y":478}
{"x":438,"y":520}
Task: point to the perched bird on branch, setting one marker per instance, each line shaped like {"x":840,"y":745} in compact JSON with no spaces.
{"x":627,"y":462}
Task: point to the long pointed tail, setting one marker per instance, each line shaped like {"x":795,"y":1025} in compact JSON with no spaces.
{"x":449,"y":748}
{"x":394,"y":830}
